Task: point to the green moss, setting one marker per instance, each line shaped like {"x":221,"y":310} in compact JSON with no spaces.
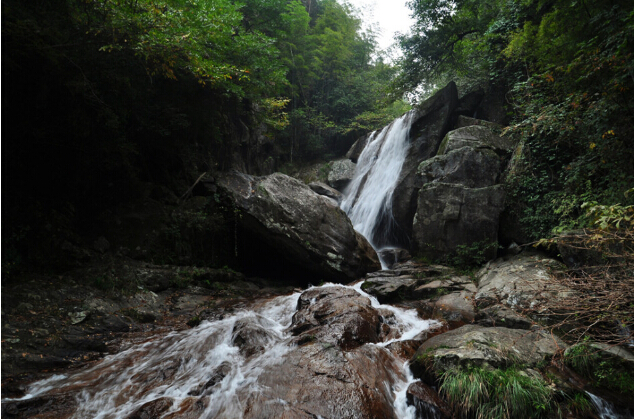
{"x":496,"y":393}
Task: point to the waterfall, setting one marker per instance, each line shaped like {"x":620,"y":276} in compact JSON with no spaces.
{"x":605,"y":409}
{"x":368,"y":198}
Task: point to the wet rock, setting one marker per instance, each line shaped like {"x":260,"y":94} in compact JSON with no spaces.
{"x":473,"y":345}
{"x":444,"y":285}
{"x":323,"y":381}
{"x":261,"y":407}
{"x":415,"y":269}
{"x":153,"y":409}
{"x":391,"y":288}
{"x":289,"y":231}
{"x":325,"y":190}
{"x":190,"y":408}
{"x":427,"y":402}
{"x":336,"y":316}
{"x":34,"y":362}
{"x":83,"y":340}
{"x":449,"y":298}
{"x":115,"y":323}
{"x":450,"y":216}
{"x":392,"y":256}
{"x":404,"y":349}
{"x":357,"y":148}
{"x":252,"y":335}
{"x":216,"y":377}
{"x":341,"y":173}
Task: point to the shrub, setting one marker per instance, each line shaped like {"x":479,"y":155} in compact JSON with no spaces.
{"x":496,"y":393}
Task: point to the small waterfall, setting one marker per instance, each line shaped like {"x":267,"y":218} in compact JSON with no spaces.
{"x":605,"y":409}
{"x":368,"y":200}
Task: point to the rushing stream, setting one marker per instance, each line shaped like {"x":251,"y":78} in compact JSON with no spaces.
{"x":178,"y":366}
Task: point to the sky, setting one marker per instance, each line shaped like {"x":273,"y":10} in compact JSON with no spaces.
{"x":391,"y":15}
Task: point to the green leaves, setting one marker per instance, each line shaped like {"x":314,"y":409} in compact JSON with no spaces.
{"x":203,"y":38}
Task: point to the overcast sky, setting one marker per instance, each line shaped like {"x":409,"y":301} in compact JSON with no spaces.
{"x":391,"y":15}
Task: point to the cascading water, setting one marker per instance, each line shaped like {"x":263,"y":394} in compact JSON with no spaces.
{"x":604,"y":409}
{"x":176,"y":368}
{"x":368,"y":200}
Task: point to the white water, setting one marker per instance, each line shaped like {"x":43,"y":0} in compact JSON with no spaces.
{"x":369,"y":196}
{"x":121,"y":383}
{"x":604,"y":409}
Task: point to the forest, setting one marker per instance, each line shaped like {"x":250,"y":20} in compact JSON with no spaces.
{"x":107,"y":95}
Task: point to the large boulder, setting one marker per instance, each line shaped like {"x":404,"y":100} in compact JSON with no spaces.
{"x":451,"y":217}
{"x":472,"y":156}
{"x":337,"y":316}
{"x":432,"y":121}
{"x":284,"y":228}
{"x":493,"y":106}
{"x":330,"y":372}
{"x":448,"y":217}
{"x":520,"y":282}
{"x":341,"y":173}
{"x":473,"y":345}
{"x":512,"y":292}
{"x":320,"y":380}
{"x":473,"y":168}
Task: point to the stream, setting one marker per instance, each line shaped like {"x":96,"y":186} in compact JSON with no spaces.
{"x":209,"y":371}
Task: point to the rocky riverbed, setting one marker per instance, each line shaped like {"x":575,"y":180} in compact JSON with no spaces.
{"x":327,"y":351}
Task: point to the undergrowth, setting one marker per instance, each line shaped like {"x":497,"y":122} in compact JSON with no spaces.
{"x":599,"y":367}
{"x":496,"y":393}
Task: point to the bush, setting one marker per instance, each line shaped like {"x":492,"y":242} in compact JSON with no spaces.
{"x":486,"y":393}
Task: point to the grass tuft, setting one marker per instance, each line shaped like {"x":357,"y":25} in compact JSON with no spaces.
{"x":496,"y":394}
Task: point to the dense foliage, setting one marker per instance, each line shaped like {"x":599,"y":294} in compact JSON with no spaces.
{"x":569,"y":73}
{"x":120,"y":100}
